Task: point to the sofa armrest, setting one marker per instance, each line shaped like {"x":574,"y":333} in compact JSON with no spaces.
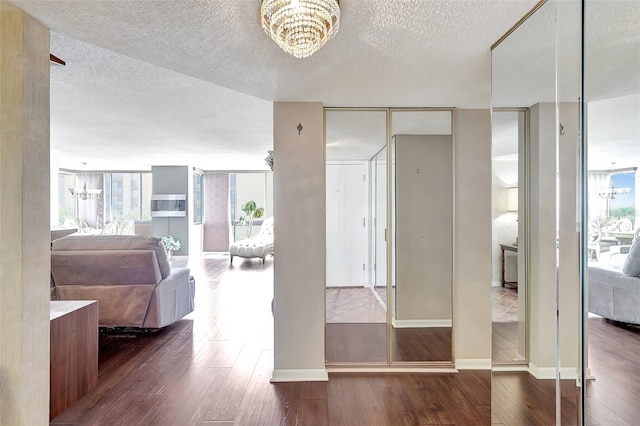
{"x":172,"y":299}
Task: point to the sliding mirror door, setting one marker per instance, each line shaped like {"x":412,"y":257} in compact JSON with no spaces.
{"x":537,"y":67}
{"x":422,"y":222}
{"x":356,"y":315}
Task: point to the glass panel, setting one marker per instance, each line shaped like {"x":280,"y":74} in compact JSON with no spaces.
{"x":423,"y":223}
{"x":355,"y":313}
{"x":611,"y":316}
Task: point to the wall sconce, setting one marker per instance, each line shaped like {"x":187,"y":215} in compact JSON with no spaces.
{"x":512,"y":199}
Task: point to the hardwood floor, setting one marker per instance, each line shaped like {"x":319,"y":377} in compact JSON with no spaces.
{"x":613,"y":397}
{"x":213,"y":367}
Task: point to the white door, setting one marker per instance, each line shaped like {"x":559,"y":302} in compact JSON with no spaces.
{"x":347,"y":210}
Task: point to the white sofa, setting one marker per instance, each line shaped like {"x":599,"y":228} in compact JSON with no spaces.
{"x":259,"y":246}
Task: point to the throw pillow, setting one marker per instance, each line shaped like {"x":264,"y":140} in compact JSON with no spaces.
{"x":632,"y":264}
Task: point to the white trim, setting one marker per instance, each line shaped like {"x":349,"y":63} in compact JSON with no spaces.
{"x":421,"y":323}
{"x":390,"y":370}
{"x":514,"y":367}
{"x":347,"y":163}
{"x":473,"y":364}
{"x":299,"y":375}
{"x":566,"y":373}
{"x":496,"y":284}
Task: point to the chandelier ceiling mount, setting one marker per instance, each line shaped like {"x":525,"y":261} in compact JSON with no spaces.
{"x":300,"y":27}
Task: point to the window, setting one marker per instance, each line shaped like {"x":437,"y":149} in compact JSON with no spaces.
{"x":245,"y":187}
{"x":128,"y":196}
{"x":66,"y":203}
{"x":197,"y":198}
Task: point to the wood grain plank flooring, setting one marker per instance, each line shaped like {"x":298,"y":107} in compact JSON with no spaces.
{"x":213,"y":368}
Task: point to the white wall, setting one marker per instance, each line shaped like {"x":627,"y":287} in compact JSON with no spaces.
{"x":299,"y":241}
{"x":472,"y":239}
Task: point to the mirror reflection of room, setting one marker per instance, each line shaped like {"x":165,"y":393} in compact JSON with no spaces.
{"x":422,"y":149}
{"x":356,"y":313}
{"x":509,"y":281}
{"x":567,"y":385}
{"x":365,"y":275}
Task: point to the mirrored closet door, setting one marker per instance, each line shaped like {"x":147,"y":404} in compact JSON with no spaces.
{"x":395,"y":306}
{"x":422,"y":220}
{"x":356,"y":314}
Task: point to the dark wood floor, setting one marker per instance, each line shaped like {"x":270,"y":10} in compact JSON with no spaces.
{"x":213,"y":367}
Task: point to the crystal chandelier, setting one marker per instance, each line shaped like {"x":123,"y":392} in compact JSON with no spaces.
{"x":611,"y":191}
{"x":300,"y":27}
{"x":84,"y":193}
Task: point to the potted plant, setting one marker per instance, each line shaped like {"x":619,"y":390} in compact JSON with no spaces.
{"x":170,"y":244}
{"x":269,"y":159}
{"x":251,"y":211}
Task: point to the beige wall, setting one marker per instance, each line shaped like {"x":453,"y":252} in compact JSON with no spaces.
{"x":472,"y":239}
{"x":300,"y":242}
{"x":424,"y":227}
{"x":24,"y":222}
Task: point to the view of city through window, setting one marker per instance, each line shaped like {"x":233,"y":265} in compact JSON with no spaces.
{"x":125,"y":196}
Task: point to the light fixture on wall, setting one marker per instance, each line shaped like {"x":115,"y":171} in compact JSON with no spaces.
{"x":300,"y":27}
{"x":84,"y":193}
{"x":512,"y":199}
{"x":611,"y":191}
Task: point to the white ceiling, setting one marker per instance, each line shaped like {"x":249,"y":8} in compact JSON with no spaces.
{"x":176,"y":82}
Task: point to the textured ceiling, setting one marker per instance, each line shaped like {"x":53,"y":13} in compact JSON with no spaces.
{"x":191,"y":82}
{"x":147,"y":82}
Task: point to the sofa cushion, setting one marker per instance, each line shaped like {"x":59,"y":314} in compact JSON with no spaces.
{"x":116,"y":242}
{"x":631,"y":266}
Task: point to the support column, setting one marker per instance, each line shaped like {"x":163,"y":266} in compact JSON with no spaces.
{"x":299,"y":241}
{"x":24,"y":219}
{"x":472,"y":239}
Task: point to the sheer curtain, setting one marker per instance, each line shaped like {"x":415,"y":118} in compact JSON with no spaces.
{"x":597,"y":205}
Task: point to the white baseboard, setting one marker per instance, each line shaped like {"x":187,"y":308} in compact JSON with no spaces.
{"x":550,"y":372}
{"x":421,"y":323}
{"x":496,"y":284}
{"x":514,"y":367}
{"x":379,"y":370}
{"x":474,"y":364}
{"x":299,"y":375}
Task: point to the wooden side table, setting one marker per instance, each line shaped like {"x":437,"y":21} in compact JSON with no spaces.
{"x":74,"y":352}
{"x":503,"y":248}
